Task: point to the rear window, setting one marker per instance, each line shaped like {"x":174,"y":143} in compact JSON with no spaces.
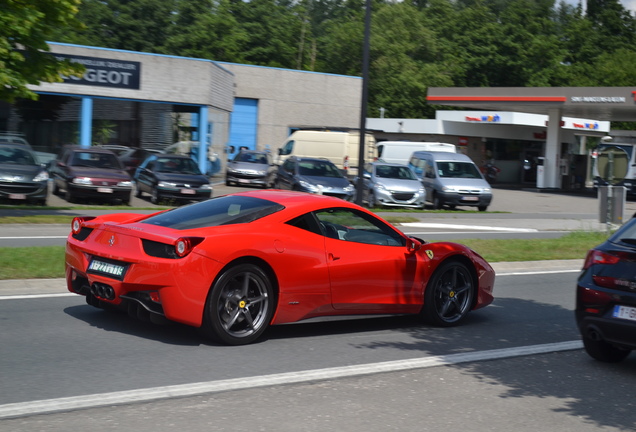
{"x":223,"y":210}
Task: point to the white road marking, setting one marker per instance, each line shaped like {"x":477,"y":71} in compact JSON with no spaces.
{"x":466,"y":227}
{"x":35,"y":296}
{"x":522,"y":273}
{"x":184,"y":390}
{"x":33,"y":237}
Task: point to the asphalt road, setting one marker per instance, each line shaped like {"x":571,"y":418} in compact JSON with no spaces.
{"x":515,"y":365}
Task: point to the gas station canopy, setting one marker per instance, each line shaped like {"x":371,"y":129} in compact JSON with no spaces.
{"x":600,"y":103}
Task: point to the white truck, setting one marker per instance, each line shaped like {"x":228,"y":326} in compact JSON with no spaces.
{"x":340,"y":147}
{"x":400,"y":151}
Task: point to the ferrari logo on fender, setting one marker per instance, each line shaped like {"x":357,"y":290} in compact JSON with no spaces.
{"x":430,"y":254}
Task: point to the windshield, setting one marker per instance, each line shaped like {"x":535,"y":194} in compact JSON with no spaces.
{"x":177,"y":165}
{"x":96,"y":160}
{"x":257,"y":158}
{"x":457,"y":170}
{"x":16,"y":156}
{"x":394,"y":172}
{"x":223,"y":210}
{"x":318,"y":169}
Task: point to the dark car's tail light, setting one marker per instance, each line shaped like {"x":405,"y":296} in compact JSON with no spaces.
{"x":78,"y":223}
{"x":184,"y":245}
{"x":599,"y":257}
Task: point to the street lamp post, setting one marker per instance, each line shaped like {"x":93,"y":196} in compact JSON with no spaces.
{"x":363,"y":108}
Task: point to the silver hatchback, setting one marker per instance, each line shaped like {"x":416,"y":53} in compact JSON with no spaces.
{"x":392,"y":185}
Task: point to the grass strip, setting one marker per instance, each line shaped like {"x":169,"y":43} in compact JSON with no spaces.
{"x":48,"y":261}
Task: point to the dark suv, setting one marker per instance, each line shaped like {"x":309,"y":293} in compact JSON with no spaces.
{"x":314,"y":175}
{"x":90,"y":172}
{"x":606,"y":297}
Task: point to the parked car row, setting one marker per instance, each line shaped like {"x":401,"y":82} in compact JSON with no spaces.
{"x":112,"y":172}
{"x":444,"y":178}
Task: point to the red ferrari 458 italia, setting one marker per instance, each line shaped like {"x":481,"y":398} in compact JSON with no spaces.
{"x":236,"y":264}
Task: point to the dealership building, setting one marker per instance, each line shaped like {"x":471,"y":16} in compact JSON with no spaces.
{"x":151,"y":101}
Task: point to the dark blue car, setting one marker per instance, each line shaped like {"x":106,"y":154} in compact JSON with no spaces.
{"x":173,"y":178}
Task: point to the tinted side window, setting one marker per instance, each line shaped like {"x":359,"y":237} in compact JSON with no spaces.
{"x":358,"y":227}
{"x":306,"y":222}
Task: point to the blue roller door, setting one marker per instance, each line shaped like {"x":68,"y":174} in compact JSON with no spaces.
{"x":243,"y":125}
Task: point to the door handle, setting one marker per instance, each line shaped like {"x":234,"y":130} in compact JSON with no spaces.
{"x":332,"y":257}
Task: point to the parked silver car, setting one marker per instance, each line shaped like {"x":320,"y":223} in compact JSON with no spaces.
{"x":392,"y":185}
{"x":251,"y":167}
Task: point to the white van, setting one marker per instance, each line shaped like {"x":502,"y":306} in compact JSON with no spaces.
{"x":400,"y":151}
{"x":451,"y":179}
{"x":341,"y":148}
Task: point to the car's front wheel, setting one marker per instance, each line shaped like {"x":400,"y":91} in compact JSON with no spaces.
{"x":240,"y":305}
{"x":603,"y":351}
{"x":449,"y":295}
{"x":371,"y":200}
{"x":154,"y":196}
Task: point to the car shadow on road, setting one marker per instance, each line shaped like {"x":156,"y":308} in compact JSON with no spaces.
{"x":171,"y":333}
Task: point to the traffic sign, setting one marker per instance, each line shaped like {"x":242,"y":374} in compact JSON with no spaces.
{"x":612,"y":164}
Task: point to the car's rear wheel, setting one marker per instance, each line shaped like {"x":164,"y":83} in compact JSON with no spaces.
{"x":437,"y":202}
{"x":239,"y":306}
{"x":68,"y":196}
{"x":449,"y":295}
{"x":603,"y":351}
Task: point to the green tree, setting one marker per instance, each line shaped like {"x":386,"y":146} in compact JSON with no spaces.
{"x":273,"y":28}
{"x":135,"y":25}
{"x":207,"y":29}
{"x":403,"y":53}
{"x":24,"y":53}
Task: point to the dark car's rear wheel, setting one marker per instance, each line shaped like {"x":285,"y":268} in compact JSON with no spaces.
{"x":449,"y":295}
{"x":437,"y":202}
{"x":68,"y":195}
{"x":603,"y":351}
{"x":239,"y":306}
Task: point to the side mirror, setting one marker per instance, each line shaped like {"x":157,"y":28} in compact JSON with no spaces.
{"x":366,"y":175}
{"x":413,"y":244}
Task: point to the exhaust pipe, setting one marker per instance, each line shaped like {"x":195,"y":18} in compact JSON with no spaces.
{"x":103,"y":291}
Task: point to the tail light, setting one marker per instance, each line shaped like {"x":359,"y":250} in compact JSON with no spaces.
{"x":184,"y":245}
{"x":599,"y":257}
{"x":78,"y":223}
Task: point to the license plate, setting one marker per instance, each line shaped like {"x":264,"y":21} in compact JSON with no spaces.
{"x":110,"y":269}
{"x":17,"y":196}
{"x":104,"y":190}
{"x":243,"y":181}
{"x":188,"y":191}
{"x":624,"y":312}
{"x":471,"y":198}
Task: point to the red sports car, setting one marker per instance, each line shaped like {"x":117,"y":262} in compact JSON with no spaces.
{"x":235,"y":264}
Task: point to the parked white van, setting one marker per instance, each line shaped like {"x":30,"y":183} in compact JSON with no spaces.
{"x":340,"y":147}
{"x":400,"y":151}
{"x":451,"y":179}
